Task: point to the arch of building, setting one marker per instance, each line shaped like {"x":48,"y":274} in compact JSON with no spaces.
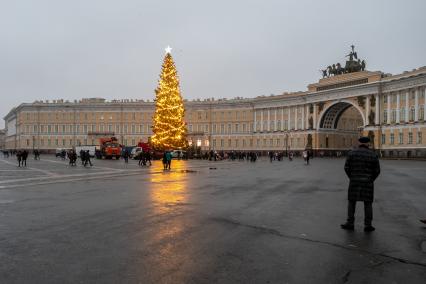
{"x":330,"y":116}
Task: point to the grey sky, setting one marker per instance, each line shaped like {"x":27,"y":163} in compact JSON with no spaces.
{"x":114,"y":49}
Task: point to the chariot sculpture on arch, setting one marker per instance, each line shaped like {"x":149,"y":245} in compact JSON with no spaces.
{"x":354,"y":64}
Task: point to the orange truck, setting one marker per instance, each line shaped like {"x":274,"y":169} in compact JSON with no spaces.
{"x":110,"y":148}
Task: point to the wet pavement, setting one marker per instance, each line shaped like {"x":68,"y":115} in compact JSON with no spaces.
{"x":207,"y":222}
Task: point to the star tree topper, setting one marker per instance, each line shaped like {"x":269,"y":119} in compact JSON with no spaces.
{"x":168,"y":49}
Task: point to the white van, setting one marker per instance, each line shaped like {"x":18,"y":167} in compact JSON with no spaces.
{"x":178,"y":154}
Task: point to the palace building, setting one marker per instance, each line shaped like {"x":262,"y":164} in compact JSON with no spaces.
{"x":329,"y":116}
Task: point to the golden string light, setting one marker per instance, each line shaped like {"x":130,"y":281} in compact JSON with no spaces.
{"x":169,"y":127}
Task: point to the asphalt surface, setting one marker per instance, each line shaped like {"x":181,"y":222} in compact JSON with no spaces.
{"x":207,"y":222}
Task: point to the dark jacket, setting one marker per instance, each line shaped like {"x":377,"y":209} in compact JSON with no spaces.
{"x":362,"y":167}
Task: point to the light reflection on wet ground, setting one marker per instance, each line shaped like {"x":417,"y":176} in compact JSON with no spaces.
{"x":237,"y":223}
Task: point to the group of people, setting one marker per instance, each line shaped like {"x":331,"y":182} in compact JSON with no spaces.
{"x":22,"y":158}
{"x":144,"y":158}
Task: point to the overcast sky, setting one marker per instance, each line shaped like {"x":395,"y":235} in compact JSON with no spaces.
{"x":73,"y":49}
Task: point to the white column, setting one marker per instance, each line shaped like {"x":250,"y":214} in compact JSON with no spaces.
{"x":303,"y":118}
{"x":407,"y":111}
{"x":295,"y":118}
{"x":275,"y":118}
{"x":424,"y":102}
{"x":416,"y":105}
{"x":255,"y":121}
{"x":398,"y":107}
{"x":261,"y":120}
{"x":315,"y":116}
{"x":289,"y":118}
{"x":389,"y":109}
{"x":269,"y":120}
{"x":367,"y":111}
{"x":376,"y":113}
{"x":282,"y":119}
{"x":307,"y":117}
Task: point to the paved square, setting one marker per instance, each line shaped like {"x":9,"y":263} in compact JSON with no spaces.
{"x":207,"y":222}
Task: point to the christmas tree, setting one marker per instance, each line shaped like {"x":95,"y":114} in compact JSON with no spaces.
{"x":169,"y":127}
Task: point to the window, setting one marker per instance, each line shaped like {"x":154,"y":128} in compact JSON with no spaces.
{"x":222,"y":128}
{"x":221,"y":142}
{"x":419,"y":137}
{"x":410,"y":137}
{"x":385,"y":115}
{"x":402,"y":114}
{"x":422,"y":112}
{"x":229,"y":128}
{"x":385,"y":99}
{"x":229,"y":143}
{"x":401,"y":138}
{"x":412,"y":111}
{"x":392,"y":139}
{"x":236,"y":128}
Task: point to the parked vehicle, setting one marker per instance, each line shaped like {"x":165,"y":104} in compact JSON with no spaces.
{"x":110,"y":148}
{"x":135,"y":152}
{"x":179,"y":154}
{"x":91,"y":149}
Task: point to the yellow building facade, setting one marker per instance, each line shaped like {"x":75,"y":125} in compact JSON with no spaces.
{"x":327,"y":118}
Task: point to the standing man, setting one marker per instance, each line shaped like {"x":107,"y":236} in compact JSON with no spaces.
{"x":19,"y":157}
{"x":362,"y":167}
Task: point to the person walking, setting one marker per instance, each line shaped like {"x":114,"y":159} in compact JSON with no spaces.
{"x":19,"y":157}
{"x":362,"y":167}
{"x":87,"y":158}
{"x":126,"y":156}
{"x":169,"y":160}
{"x":165,"y":160}
{"x":306,"y":156}
{"x":24,"y":157}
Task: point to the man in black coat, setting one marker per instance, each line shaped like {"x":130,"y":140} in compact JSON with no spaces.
{"x":362,"y":167}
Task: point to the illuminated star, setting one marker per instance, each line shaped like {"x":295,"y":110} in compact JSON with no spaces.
{"x":168,"y":49}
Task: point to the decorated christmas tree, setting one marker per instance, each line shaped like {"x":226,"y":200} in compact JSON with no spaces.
{"x":169,"y":127}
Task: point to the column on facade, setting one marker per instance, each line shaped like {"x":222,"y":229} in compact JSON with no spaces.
{"x":261,"y":120}
{"x":307,"y":117}
{"x":424,"y":102}
{"x":289,"y":118}
{"x":269,"y":119}
{"x":275,"y":118}
{"x":295,"y":118}
{"x":282,"y":119}
{"x":303,"y":118}
{"x":398,"y":107}
{"x":388,"y":121}
{"x":407,"y":111}
{"x":255,"y":121}
{"x":315,"y":116}
{"x":367,"y":111}
{"x":416,"y":105}
{"x":376,"y":113}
